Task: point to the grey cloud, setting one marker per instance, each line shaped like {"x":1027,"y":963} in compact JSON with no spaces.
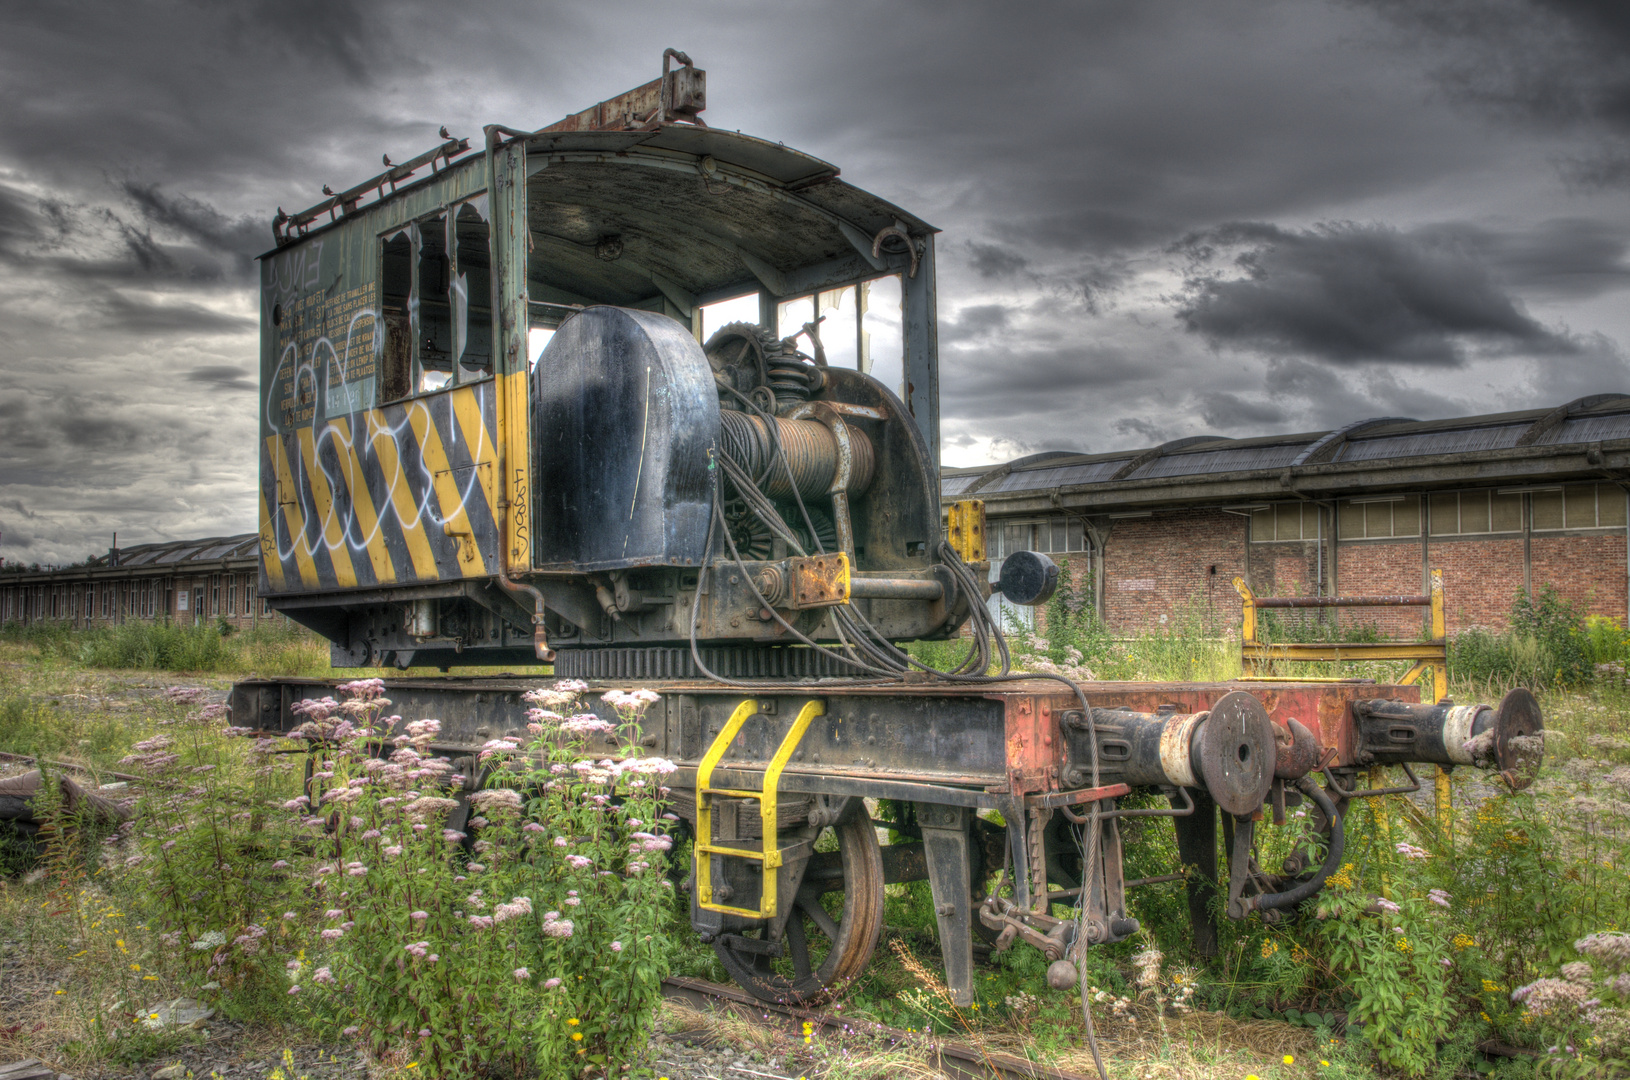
{"x":1350,"y":293}
{"x":1541,"y":62}
{"x":995,"y":260}
{"x":223,"y":377}
{"x":1062,"y":146}
{"x":974,"y":322}
{"x":1561,"y":257}
{"x":1141,"y":429}
{"x":17,"y":506}
{"x":1232,"y":412}
{"x":239,"y":239}
{"x":125,"y":314}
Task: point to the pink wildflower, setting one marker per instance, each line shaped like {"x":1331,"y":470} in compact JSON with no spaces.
{"x":522,"y":974}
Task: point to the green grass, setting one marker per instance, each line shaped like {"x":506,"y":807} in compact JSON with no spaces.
{"x":179,"y":647}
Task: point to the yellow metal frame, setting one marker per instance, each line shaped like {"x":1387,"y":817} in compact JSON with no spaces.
{"x":769,"y":855}
{"x":965,"y":528}
{"x":1430,"y":655}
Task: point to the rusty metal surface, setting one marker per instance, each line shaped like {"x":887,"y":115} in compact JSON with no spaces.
{"x":674,"y":95}
{"x":818,"y":581}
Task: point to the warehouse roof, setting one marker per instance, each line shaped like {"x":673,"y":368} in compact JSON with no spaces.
{"x":179,"y":554}
{"x":1588,"y":437}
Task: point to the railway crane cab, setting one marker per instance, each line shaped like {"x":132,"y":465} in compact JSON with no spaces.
{"x":741,"y":367}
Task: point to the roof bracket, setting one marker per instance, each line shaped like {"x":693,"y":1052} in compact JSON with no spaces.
{"x":862,"y":243}
{"x":769,"y":276}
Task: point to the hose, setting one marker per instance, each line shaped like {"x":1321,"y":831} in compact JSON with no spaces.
{"x":1332,"y":859}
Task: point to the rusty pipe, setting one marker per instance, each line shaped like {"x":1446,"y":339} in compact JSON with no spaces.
{"x":1341,"y":601}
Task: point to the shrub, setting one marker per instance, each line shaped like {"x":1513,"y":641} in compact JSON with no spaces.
{"x":523,"y":939}
{"x":1546,"y":644}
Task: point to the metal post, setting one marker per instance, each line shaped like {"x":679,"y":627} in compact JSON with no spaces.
{"x":1383,"y":822}
{"x":950,"y":879}
{"x":1441,"y":790}
{"x":1197,"y":851}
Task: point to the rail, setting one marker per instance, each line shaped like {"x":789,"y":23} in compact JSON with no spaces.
{"x":1432,"y":655}
{"x":958,"y":1060}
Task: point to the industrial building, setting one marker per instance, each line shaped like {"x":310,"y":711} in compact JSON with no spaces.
{"x":182,"y":580}
{"x":1501,"y":503}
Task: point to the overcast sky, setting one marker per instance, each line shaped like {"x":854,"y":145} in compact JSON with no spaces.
{"x":1161,"y":219}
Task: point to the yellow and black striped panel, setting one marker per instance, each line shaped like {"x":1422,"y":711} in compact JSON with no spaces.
{"x":399,"y":494}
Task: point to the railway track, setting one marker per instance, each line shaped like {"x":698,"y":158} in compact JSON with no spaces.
{"x":958,"y":1060}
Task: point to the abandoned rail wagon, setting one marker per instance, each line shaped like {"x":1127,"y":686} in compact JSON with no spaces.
{"x":746,"y":522}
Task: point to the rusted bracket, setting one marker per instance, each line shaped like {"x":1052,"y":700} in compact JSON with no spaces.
{"x":818,"y":581}
{"x":1052,"y":800}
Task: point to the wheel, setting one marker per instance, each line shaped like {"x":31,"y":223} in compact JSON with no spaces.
{"x":836,"y":919}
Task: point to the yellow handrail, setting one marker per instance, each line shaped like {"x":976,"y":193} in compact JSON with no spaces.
{"x":769,"y":856}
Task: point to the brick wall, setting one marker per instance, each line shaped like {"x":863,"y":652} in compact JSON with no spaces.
{"x":1383,"y":568}
{"x":1588,"y":570}
{"x":1289,"y":568}
{"x":1481,"y":578}
{"x":1154,"y":566}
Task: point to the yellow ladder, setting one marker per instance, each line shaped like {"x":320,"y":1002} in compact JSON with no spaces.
{"x":770,"y":857}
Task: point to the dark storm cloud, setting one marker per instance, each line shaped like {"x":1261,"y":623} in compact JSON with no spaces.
{"x":1543,"y":60}
{"x":1231,"y":412}
{"x":224,"y":377}
{"x":238,"y":240}
{"x":1351,"y":293}
{"x":980,"y":320}
{"x":1064,"y":147}
{"x":995,"y":261}
{"x":129,"y":315}
{"x":1564,"y":257}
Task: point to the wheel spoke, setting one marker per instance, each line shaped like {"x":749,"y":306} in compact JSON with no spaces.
{"x":799,"y":946}
{"x":819,"y":915}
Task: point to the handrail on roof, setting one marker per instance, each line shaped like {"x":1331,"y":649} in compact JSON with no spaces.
{"x":1559,"y":415}
{"x":1325,"y":448}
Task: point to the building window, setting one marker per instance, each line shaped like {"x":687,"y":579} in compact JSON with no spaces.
{"x":1285,"y":521}
{"x":232,"y":594}
{"x":1578,"y":506}
{"x":1463,"y":513}
{"x":215,"y":594}
{"x":1380,"y":518}
{"x":1055,"y":535}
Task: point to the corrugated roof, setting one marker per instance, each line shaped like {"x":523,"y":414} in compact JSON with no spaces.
{"x":1588,"y":429}
{"x":177,"y":553}
{"x":1423,"y":444}
{"x":1227,"y":459}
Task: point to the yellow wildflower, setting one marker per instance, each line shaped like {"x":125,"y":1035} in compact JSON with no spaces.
{"x":572,"y":1022}
{"x":1289,"y":1060}
{"x":577,"y":1036}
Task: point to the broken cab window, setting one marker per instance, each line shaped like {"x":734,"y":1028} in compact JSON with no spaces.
{"x":434,"y":332}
